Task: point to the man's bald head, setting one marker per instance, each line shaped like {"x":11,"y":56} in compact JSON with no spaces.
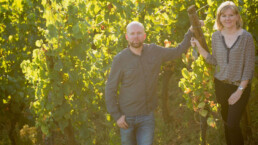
{"x":134,"y":23}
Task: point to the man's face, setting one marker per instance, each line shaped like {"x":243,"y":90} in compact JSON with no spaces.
{"x":135,"y":36}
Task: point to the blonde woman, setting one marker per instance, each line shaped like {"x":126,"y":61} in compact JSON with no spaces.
{"x":233,"y":54}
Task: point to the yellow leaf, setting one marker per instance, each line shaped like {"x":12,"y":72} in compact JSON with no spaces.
{"x":17,"y":4}
{"x":210,"y":2}
{"x":5,"y":101}
{"x":108,"y":117}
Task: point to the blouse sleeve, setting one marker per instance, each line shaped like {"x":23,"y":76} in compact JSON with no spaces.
{"x":249,"y":59}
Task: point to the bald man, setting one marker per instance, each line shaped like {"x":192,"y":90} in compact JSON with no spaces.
{"x":135,"y":69}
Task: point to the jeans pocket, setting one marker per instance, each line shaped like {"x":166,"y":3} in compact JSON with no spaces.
{"x":129,"y":121}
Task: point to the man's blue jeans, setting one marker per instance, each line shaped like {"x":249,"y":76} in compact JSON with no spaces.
{"x":140,"y":130}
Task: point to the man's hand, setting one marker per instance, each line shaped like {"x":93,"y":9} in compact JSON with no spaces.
{"x":121,"y":122}
{"x":234,"y":97}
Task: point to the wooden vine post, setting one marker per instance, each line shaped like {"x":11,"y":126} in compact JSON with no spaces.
{"x":194,"y":20}
{"x":198,"y":34}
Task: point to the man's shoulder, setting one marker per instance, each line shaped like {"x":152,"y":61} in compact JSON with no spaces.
{"x":121,"y":54}
{"x":150,"y":47}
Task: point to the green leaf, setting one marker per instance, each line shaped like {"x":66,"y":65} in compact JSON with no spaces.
{"x":76,"y":31}
{"x":211,"y":122}
{"x":44,"y":129}
{"x":60,"y":113}
{"x":58,"y":65}
{"x":201,"y":105}
{"x":52,"y":31}
{"x":203,"y":113}
{"x":99,"y":19}
{"x":63,"y":124}
{"x":72,"y":9}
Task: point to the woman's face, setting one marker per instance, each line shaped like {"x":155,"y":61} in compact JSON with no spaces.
{"x":229,"y":19}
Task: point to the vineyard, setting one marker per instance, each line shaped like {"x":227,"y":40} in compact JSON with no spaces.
{"x":55,"y":57}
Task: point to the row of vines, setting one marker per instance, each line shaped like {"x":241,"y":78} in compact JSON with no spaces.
{"x":55,"y":57}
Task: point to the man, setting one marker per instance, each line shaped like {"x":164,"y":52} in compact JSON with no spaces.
{"x":134,"y":72}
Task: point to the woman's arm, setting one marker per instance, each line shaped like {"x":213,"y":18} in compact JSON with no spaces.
{"x":247,"y":71}
{"x":211,"y":59}
{"x":238,"y":93}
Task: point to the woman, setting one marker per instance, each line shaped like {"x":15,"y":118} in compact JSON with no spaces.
{"x":233,"y":54}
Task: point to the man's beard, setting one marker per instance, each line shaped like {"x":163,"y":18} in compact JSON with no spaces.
{"x":136,"y":45}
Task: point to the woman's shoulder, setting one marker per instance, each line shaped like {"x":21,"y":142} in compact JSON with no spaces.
{"x":216,"y":34}
{"x":246,"y":33}
{"x":246,"y":36}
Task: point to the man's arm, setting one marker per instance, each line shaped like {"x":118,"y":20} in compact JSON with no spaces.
{"x":111,"y":89}
{"x":173,"y":53}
